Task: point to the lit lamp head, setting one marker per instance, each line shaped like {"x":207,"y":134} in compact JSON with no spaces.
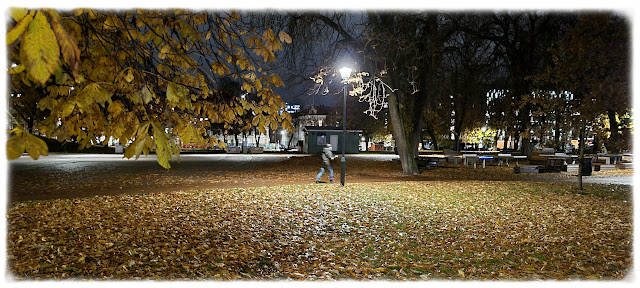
{"x":345,"y":72}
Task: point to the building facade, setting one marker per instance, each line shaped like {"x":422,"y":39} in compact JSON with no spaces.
{"x":317,"y":137}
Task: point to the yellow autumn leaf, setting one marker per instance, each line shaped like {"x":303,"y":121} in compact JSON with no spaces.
{"x":94,"y":93}
{"x":138,"y":145}
{"x":19,"y":28}
{"x":18,"y":13}
{"x":243,"y":63}
{"x":15,"y":145}
{"x":268,"y":35}
{"x":163,"y":52}
{"x":275,"y":79}
{"x":128,"y":76}
{"x":146,"y":94}
{"x":284,"y":37}
{"x":47,"y":102}
{"x":22,"y":141}
{"x":247,"y":87}
{"x":69,"y":48}
{"x":135,"y":148}
{"x":39,"y":50}
{"x":163,"y":151}
{"x":258,"y":84}
{"x":17,"y":69}
{"x":252,"y":42}
{"x":174,"y":93}
{"x":115,"y":108}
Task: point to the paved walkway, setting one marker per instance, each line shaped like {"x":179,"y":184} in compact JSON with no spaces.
{"x":620,"y":180}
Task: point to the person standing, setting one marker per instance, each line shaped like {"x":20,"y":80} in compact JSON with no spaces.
{"x":327,"y":156}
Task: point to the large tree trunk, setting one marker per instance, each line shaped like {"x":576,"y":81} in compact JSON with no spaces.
{"x":407,"y":160}
{"x":525,"y":134}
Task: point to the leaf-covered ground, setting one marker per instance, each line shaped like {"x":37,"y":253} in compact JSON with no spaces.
{"x":418,"y":230}
{"x":66,"y":176}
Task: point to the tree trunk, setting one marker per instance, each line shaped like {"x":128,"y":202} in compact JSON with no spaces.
{"x":434,"y":139}
{"x":457,"y":133}
{"x":407,"y":160}
{"x":526,"y":135}
{"x":556,"y":136}
{"x":289,"y":142}
{"x":581,"y":155}
{"x":414,"y":138}
{"x":615,"y":136}
{"x":526,"y":146}
{"x":495,"y":141}
{"x":417,"y":119}
{"x":366,"y":143}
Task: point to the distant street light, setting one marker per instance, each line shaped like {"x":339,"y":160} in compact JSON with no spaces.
{"x":345,"y":72}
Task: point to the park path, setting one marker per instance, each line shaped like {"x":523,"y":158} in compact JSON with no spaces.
{"x":86,"y":175}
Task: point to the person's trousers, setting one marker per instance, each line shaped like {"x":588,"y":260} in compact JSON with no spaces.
{"x":322,"y":172}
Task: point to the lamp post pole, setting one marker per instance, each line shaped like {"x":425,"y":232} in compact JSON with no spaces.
{"x":343,"y":162}
{"x":345,"y":73}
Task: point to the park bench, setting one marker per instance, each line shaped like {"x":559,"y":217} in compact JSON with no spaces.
{"x":624,"y":165}
{"x":519,"y":157}
{"x":568,"y":159}
{"x":484,"y":160}
{"x":256,"y":150}
{"x":451,"y":155}
{"x":547,"y":164}
{"x":234,"y":150}
{"x":428,"y":161}
{"x":603,"y":167}
{"x":627,"y":161}
{"x":503,"y":158}
{"x":526,"y":169}
{"x":608,"y":158}
{"x":547,"y":151}
{"x":470,"y":157}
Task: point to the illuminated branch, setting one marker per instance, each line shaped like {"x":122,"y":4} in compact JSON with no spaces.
{"x":372,"y":90}
{"x":368,"y":89}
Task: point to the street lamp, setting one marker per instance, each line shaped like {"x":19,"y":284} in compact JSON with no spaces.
{"x":345,"y":72}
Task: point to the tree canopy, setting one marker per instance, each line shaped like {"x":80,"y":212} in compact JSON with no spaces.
{"x":436,"y":68}
{"x":139,"y":76}
{"x":145,"y":76}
